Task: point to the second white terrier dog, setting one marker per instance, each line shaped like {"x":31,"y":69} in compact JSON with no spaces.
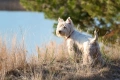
{"x":78,"y":43}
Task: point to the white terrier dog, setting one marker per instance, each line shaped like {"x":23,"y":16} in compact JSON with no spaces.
{"x":78,"y":43}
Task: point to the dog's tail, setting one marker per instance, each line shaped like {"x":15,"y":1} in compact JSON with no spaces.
{"x":95,"y":37}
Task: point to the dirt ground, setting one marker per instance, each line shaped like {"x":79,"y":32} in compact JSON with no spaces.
{"x":64,"y":70}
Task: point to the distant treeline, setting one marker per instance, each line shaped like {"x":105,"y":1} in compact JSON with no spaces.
{"x":11,"y":5}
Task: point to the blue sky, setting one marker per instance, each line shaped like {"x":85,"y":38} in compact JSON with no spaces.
{"x":36,"y":29}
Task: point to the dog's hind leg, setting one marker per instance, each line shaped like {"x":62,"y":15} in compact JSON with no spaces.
{"x":100,"y":60}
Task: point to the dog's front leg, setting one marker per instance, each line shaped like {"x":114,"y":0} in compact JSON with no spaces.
{"x":85,"y":59}
{"x":71,"y":51}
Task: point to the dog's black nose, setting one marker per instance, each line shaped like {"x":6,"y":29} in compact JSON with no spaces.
{"x":60,"y":31}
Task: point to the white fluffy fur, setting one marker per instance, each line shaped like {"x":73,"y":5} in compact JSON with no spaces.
{"x":78,"y":43}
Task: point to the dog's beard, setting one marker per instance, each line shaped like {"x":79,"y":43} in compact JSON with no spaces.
{"x":62,"y":34}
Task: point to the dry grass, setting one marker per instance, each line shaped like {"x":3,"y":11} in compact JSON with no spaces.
{"x":12,"y":56}
{"x":52,"y":63}
{"x":111,"y":53}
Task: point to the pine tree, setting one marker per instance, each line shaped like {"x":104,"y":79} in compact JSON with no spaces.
{"x":101,"y":14}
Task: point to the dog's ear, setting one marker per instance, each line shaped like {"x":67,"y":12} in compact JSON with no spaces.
{"x":60,"y":20}
{"x":68,"y":20}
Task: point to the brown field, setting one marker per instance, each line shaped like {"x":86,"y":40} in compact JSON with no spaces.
{"x":52,"y":63}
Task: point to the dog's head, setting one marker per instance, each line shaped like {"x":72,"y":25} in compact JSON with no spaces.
{"x":64,"y":28}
